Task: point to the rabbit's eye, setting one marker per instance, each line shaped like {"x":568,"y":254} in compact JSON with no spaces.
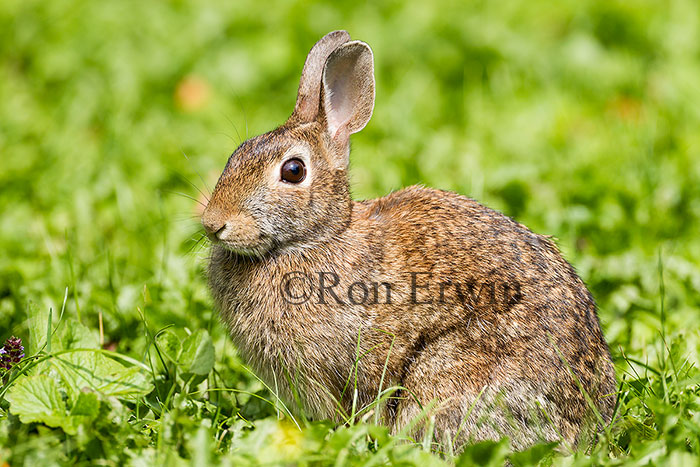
{"x":293,"y":171}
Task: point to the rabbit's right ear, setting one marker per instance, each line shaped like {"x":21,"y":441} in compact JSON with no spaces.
{"x":347,"y":99}
{"x":308,"y":97}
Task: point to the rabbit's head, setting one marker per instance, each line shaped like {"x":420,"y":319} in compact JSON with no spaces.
{"x":289,"y":187}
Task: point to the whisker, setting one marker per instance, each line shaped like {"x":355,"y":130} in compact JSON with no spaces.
{"x":185,"y":219}
{"x":234,"y":128}
{"x":197,"y":243}
{"x":197,"y":172}
{"x":245,"y":118}
{"x":239,"y":102}
{"x":187,"y":196}
{"x":233,"y":140}
{"x":203,"y":243}
{"x":193,"y":185}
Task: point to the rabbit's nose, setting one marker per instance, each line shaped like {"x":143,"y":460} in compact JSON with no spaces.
{"x":213,"y":226}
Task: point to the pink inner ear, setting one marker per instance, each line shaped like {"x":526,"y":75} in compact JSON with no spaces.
{"x":348,"y":88}
{"x":342,"y":95}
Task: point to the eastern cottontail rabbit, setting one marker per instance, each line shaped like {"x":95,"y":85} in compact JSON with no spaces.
{"x":332,"y":300}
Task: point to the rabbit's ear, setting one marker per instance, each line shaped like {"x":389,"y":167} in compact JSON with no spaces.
{"x":348,"y":90}
{"x":307,"y":105}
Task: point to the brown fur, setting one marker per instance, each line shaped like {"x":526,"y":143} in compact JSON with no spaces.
{"x":505,"y":332}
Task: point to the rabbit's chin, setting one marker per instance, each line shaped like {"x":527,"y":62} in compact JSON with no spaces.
{"x":257,"y":251}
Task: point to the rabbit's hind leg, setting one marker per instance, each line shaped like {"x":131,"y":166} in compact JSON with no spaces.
{"x":516,"y":410}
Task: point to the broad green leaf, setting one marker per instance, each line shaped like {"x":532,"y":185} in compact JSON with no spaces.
{"x":197,"y":356}
{"x":84,"y":411}
{"x":169,"y":345}
{"x":83,"y":368}
{"x":87,"y":405}
{"x":75,"y":335}
{"x":37,"y":399}
{"x":127,"y":381}
{"x":484,"y":453}
{"x":533,"y":455}
{"x":92,"y":370}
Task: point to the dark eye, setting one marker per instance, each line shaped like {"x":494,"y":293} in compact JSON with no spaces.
{"x":293,"y":171}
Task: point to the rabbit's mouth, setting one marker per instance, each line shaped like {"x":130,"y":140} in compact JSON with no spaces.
{"x":239,"y":233}
{"x":251,"y":251}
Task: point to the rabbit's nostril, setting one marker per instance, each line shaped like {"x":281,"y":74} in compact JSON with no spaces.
{"x":216,"y":234}
{"x":213,"y":227}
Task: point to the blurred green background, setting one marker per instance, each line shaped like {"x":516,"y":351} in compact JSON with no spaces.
{"x":579,"y":119}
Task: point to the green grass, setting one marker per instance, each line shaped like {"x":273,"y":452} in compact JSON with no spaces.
{"x":579,"y":119}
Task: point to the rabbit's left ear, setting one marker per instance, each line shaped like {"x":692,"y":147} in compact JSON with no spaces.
{"x":347,"y":97}
{"x":308,"y":96}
